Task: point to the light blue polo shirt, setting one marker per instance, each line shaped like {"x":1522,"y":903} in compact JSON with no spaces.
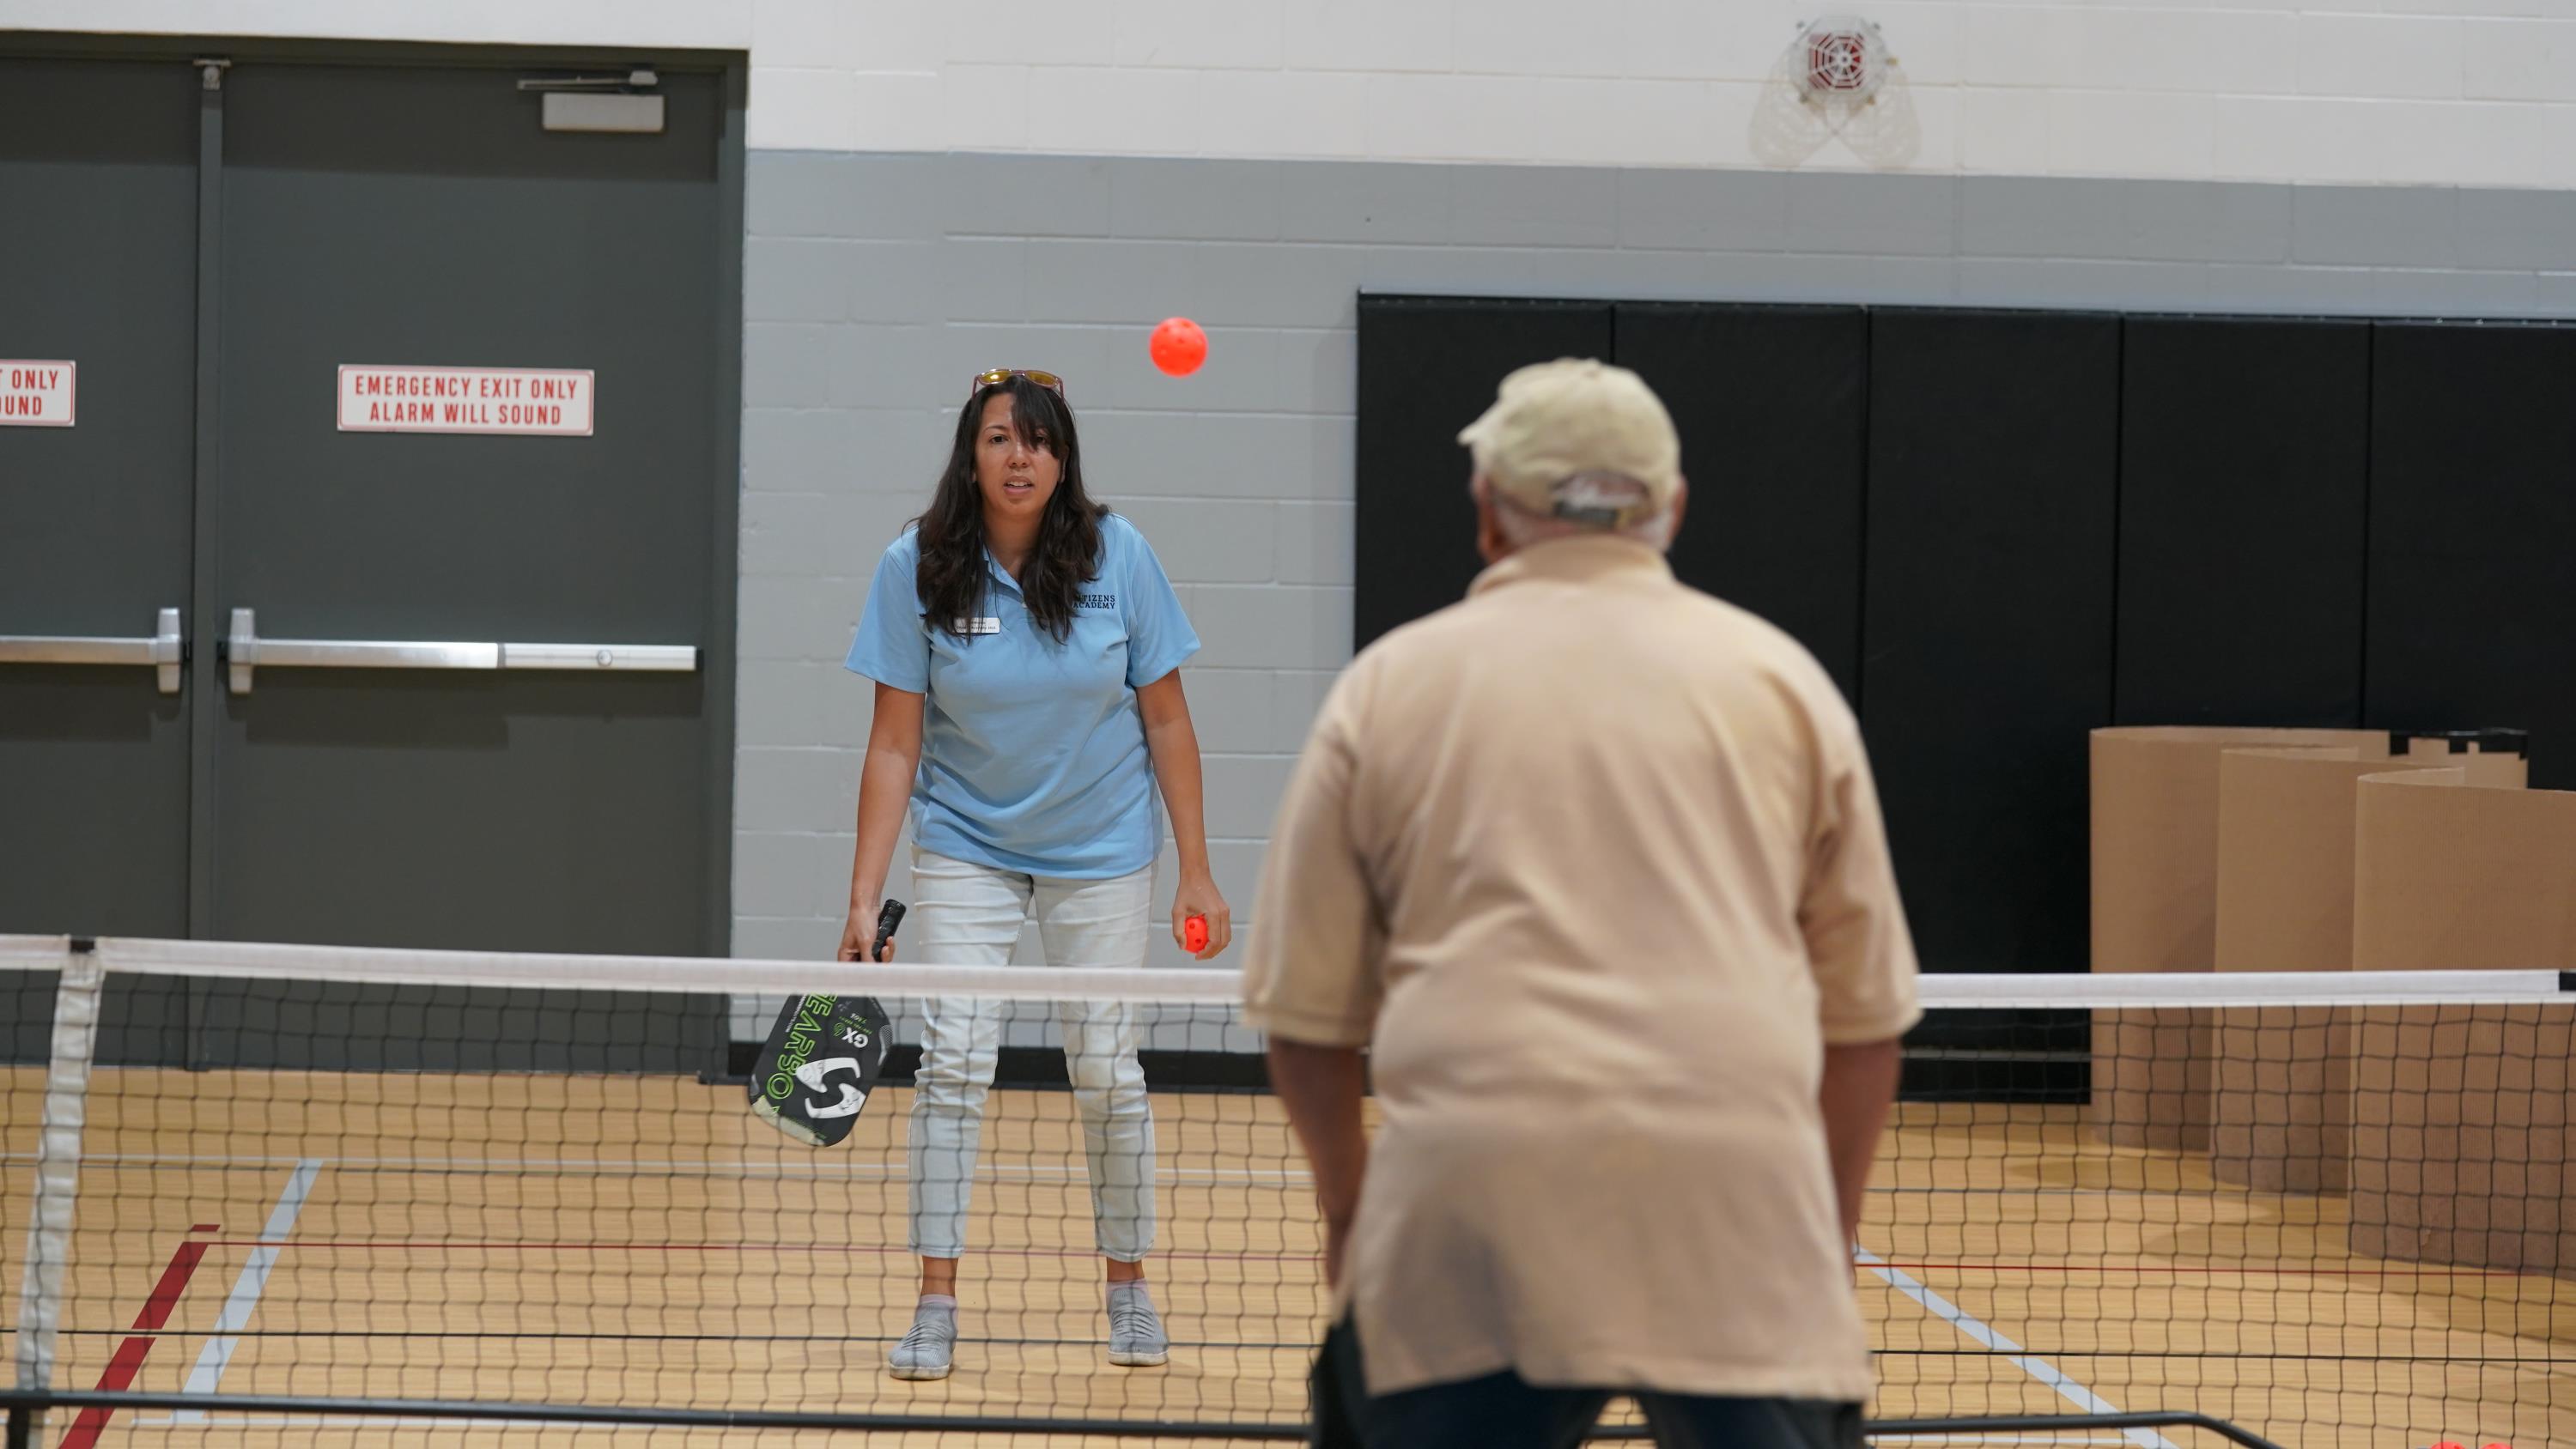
{"x":1033,"y":753}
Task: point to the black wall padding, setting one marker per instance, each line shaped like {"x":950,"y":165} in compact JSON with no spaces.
{"x":2244,"y":487}
{"x":1427,"y":367}
{"x":142,"y":1021}
{"x":1770,"y":404}
{"x":2473,"y":534}
{"x":1986,"y":628}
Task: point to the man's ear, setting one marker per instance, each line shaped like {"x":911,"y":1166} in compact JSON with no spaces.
{"x":1491,"y":545}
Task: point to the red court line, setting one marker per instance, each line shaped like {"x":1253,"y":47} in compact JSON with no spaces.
{"x":128,"y":1360}
{"x":615,"y":1247}
{"x":501,"y":1246}
{"x":2294,"y":1271}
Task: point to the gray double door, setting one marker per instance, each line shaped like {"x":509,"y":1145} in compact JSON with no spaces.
{"x":210,"y":248}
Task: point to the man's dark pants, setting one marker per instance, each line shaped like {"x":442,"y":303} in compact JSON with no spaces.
{"x":1505,"y":1411}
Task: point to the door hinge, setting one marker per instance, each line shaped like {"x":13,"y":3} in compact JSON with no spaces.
{"x":213,"y":71}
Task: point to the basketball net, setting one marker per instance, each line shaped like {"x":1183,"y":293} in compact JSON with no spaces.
{"x":1836,"y":81}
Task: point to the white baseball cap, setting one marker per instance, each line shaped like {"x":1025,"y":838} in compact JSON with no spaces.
{"x":1555,"y":427}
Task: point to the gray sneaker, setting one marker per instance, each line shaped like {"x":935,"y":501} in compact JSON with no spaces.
{"x":925,"y":1351}
{"x":1136,"y":1338}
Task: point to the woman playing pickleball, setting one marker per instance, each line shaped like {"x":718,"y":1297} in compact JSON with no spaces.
{"x":1026,"y":647}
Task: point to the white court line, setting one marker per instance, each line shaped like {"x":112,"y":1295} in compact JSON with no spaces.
{"x":825,"y":1172}
{"x":752,"y":1172}
{"x":896,"y":1172}
{"x":2021,"y":1358}
{"x":217,"y":1355}
{"x":729,"y":1171}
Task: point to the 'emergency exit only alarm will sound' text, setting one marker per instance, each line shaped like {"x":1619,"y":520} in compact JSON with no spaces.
{"x":537,"y":402}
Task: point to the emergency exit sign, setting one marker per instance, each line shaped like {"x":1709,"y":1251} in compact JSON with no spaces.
{"x":537,"y":402}
{"x":35,"y":394}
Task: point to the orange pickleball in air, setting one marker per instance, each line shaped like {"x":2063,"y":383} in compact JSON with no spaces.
{"x":1178,"y":346}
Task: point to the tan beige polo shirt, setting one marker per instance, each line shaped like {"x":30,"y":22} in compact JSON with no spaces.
{"x":1595,"y":862}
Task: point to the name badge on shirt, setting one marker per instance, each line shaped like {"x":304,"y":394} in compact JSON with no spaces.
{"x":979,"y":626}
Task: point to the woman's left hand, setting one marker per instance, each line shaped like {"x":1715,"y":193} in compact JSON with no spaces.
{"x":1200,"y":897}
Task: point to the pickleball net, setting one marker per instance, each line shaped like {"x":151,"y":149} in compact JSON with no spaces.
{"x":2332,"y":1209}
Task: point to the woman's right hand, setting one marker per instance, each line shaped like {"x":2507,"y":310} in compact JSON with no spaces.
{"x":858,"y":933}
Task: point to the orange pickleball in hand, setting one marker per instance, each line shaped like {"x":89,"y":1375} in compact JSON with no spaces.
{"x":1178,"y":346}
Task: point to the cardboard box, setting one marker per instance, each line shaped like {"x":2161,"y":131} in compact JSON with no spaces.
{"x":2464,"y":1118}
{"x":2155,"y":795}
{"x":2155,"y":837}
{"x":2281,"y":1116}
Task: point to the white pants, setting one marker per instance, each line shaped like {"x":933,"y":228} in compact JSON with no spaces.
{"x":970,"y":915}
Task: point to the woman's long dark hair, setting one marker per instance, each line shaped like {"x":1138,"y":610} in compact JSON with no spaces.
{"x":951,"y":574}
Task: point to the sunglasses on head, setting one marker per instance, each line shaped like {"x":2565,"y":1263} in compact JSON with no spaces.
{"x":995,"y":377}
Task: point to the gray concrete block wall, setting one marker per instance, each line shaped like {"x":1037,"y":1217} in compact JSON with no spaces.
{"x":876,"y":285}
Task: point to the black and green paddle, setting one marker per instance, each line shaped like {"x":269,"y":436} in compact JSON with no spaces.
{"x":823,"y":1057}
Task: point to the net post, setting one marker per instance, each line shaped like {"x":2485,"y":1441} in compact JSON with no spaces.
{"x":58,"y":1146}
{"x":26,"y":1423}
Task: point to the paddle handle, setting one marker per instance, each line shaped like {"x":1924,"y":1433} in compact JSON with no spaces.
{"x":887,"y":920}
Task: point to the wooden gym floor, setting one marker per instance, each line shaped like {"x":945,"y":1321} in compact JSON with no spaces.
{"x":645,"y":1241}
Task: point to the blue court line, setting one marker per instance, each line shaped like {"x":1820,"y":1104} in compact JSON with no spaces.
{"x":217,"y":1355}
{"x":2013,"y":1353}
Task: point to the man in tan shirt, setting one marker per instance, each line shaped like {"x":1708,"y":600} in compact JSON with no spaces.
{"x":1593,"y":864}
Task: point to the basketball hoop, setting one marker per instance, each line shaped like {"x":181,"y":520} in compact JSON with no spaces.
{"x":1836,"y":81}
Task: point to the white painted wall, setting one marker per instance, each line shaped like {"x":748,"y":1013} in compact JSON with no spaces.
{"x":2417,"y":91}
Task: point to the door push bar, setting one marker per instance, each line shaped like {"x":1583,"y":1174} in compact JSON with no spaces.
{"x":164,"y":652}
{"x":244,"y":652}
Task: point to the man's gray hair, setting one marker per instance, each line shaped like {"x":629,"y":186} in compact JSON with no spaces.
{"x":1584,"y":503}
